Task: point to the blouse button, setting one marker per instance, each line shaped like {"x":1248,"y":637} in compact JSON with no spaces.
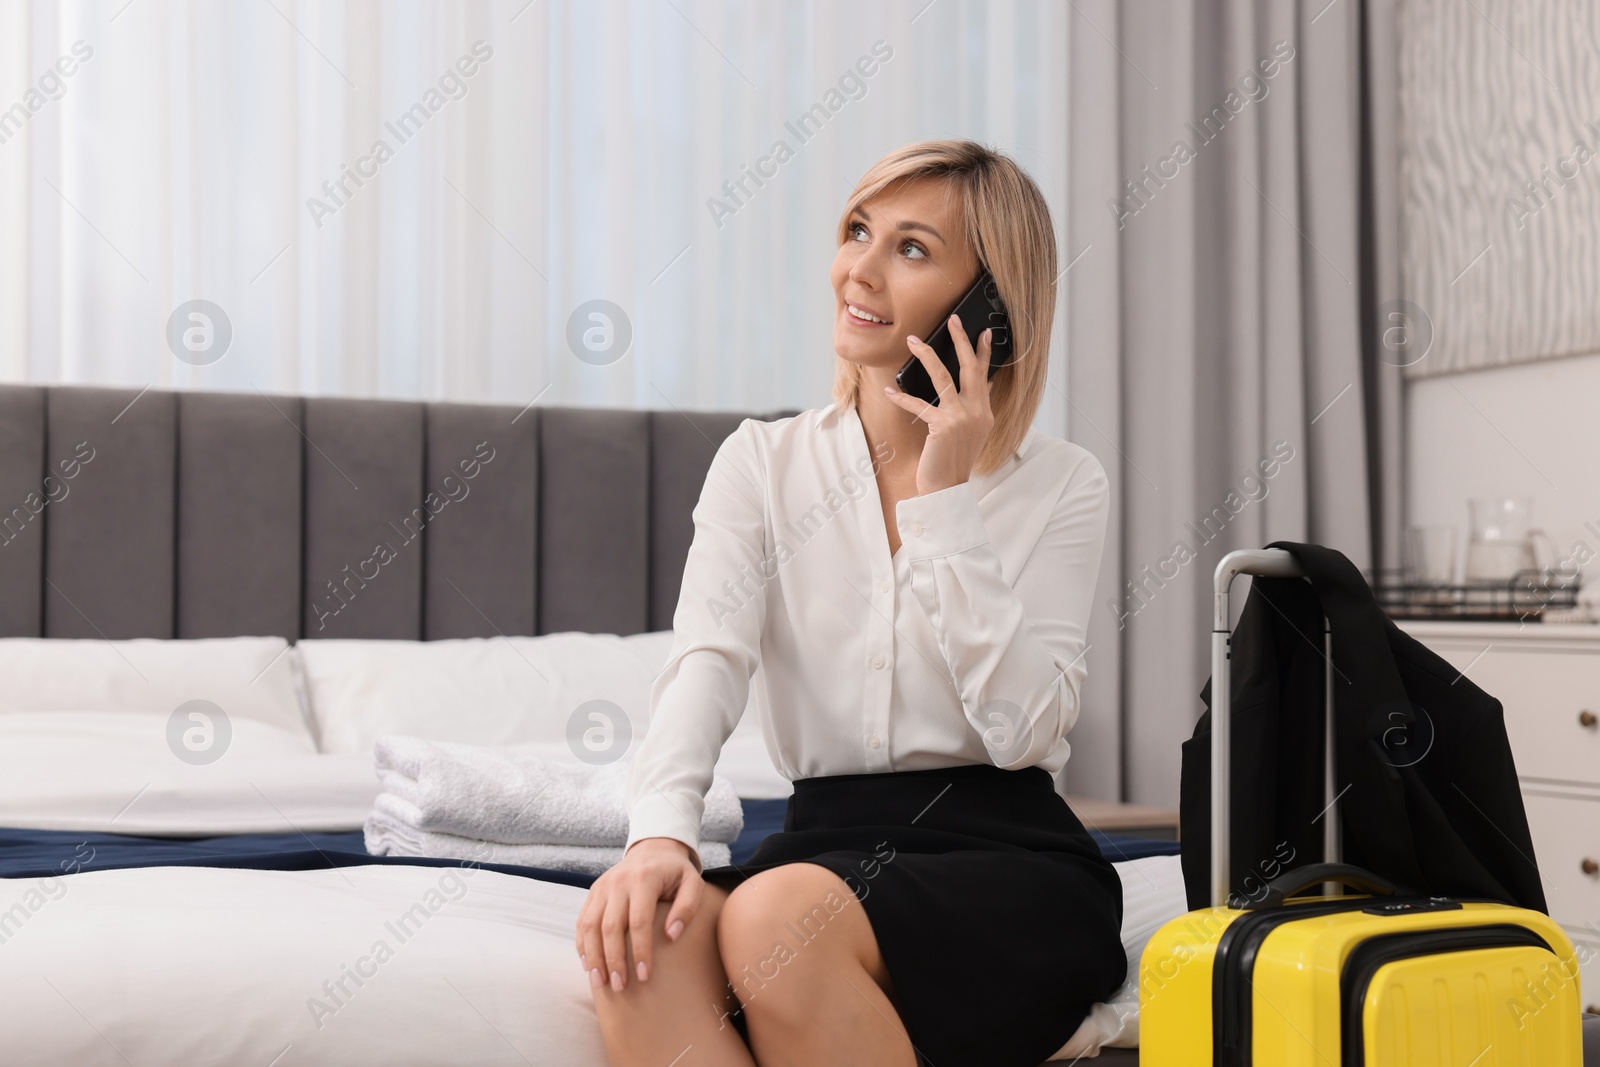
{"x":875,"y":741}
{"x":883,"y":586}
{"x":916,"y":529}
{"x":877,"y":661}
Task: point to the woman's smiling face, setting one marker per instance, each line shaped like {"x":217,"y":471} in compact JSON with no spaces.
{"x":906,"y":261}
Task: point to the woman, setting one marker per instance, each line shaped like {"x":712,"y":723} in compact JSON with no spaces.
{"x":921,"y":662}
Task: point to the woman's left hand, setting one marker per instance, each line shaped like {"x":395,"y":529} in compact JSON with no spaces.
{"x":959,"y":425}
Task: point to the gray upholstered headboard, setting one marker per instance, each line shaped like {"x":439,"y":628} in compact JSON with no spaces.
{"x":186,"y":514}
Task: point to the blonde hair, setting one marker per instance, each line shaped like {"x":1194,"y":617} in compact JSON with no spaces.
{"x":1007,"y":224}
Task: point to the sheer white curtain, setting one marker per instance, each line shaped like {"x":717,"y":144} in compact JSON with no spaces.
{"x":535,"y":157}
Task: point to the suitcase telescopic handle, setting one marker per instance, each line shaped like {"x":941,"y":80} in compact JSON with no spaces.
{"x":1274,"y":563}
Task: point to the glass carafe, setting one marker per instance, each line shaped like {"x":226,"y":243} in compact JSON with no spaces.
{"x":1503,"y":540}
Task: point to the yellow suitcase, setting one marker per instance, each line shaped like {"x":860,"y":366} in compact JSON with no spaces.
{"x":1378,"y":978}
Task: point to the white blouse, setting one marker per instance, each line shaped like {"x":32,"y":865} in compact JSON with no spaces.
{"x":966,"y":646}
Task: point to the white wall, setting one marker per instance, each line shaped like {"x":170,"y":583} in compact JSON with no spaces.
{"x":1498,"y":252}
{"x":1530,"y":429}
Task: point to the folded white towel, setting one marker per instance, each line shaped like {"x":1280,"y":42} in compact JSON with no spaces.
{"x":513,"y":796}
{"x":388,"y":836}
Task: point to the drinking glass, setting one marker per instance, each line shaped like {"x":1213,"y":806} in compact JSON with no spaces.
{"x":1430,"y":557}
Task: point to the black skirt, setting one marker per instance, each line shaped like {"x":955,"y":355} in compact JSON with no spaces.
{"x":998,"y":918}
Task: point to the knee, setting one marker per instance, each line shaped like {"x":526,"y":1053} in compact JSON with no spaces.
{"x":688,"y":964}
{"x":792,"y":902}
{"x":699,"y":933}
{"x":774,"y":930}
{"x":696,"y":946}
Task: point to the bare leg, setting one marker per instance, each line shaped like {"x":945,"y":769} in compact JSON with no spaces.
{"x":801,"y":954}
{"x":680,"y":1015}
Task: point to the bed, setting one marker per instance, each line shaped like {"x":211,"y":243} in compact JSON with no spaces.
{"x":176,"y":567}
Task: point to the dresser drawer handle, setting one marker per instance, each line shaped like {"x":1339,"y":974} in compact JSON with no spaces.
{"x":1590,"y":866}
{"x":1587,"y":719}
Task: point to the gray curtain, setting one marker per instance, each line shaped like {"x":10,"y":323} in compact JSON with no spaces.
{"x":1232,"y":199}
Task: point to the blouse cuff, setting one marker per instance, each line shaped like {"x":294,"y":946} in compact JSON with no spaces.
{"x":941,"y":523}
{"x":656,"y":816}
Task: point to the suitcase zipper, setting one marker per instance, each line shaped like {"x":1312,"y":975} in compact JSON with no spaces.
{"x":1235,"y":960}
{"x":1367,"y":957}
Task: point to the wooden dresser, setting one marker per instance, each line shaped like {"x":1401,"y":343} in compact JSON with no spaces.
{"x":1548,"y":679}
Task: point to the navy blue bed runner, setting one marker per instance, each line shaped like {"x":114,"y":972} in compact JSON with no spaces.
{"x":41,"y":853}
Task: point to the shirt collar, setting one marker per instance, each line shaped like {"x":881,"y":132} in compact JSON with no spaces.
{"x":833,"y":414}
{"x":830,"y":415}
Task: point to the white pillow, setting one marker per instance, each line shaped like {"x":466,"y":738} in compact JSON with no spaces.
{"x":125,"y":772}
{"x":246,"y":677}
{"x":504,"y":691}
{"x":480,"y":691}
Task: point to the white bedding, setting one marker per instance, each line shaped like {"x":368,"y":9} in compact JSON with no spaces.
{"x":220,"y":966}
{"x":227,"y":967}
{"x":1152,"y":894}
{"x":191,"y":965}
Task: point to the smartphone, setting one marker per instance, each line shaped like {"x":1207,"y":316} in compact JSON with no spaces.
{"x":980,"y":310}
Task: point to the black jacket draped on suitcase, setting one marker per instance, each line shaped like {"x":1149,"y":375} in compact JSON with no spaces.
{"x":1430,"y":796}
